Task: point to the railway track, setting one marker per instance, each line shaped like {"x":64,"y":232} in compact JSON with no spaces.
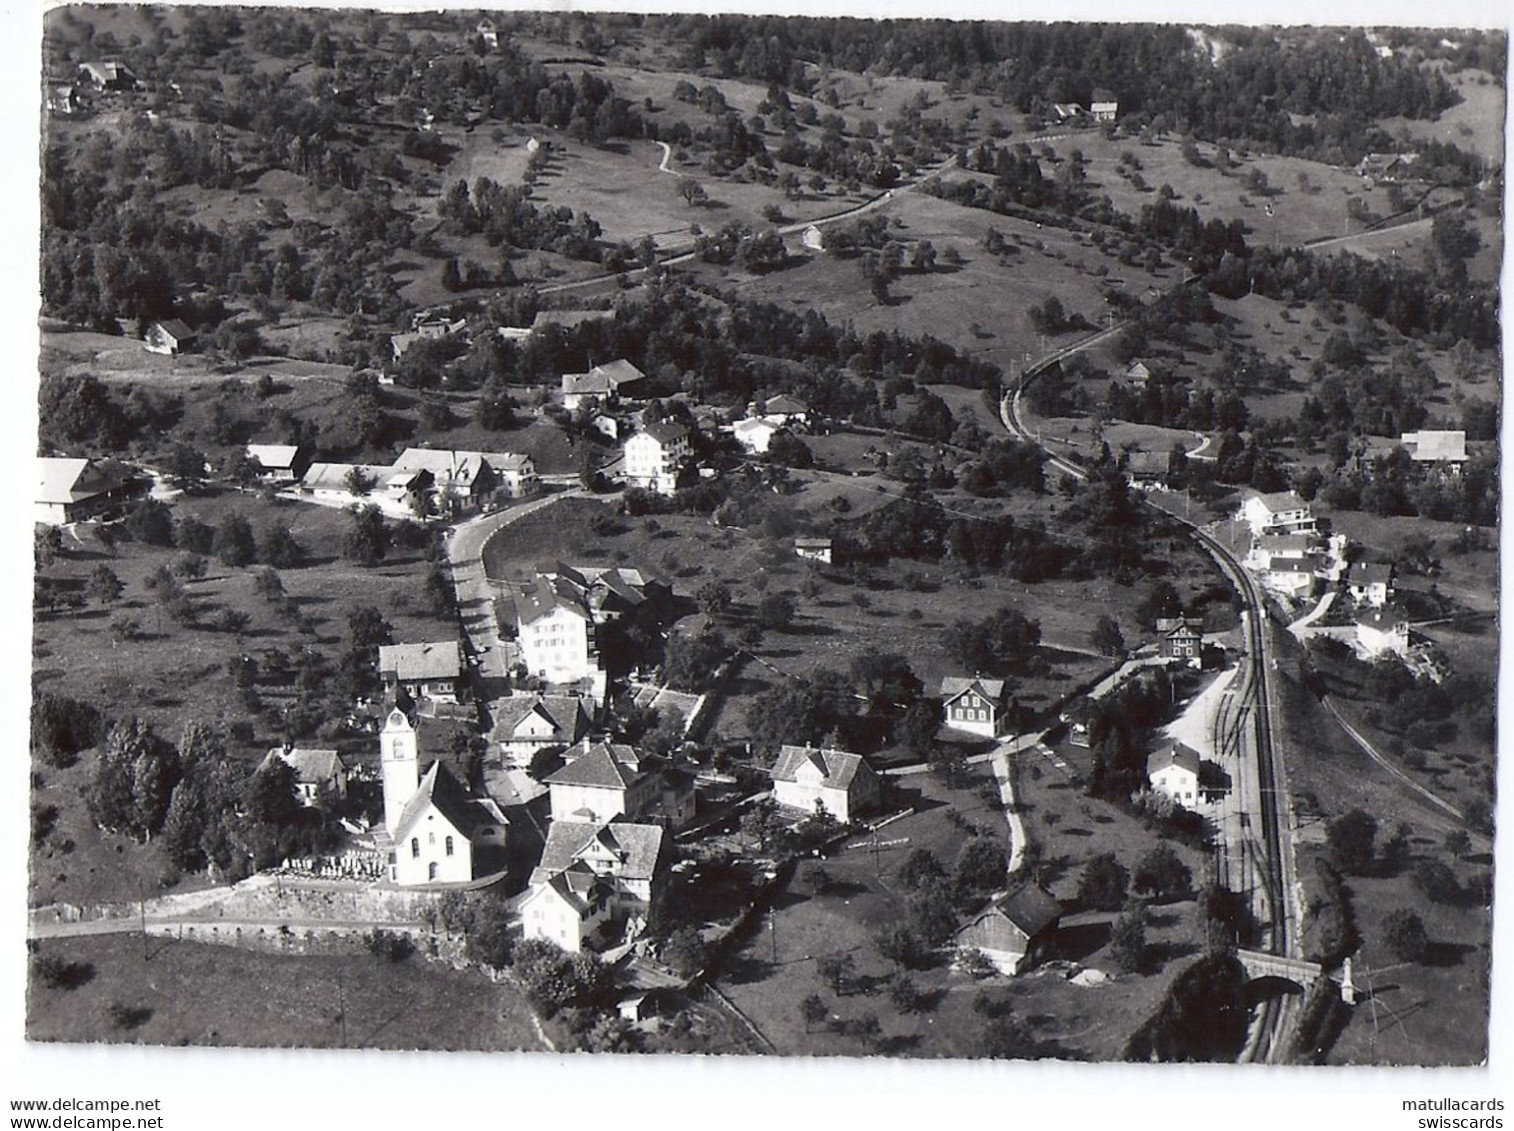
{"x":1272,"y":852}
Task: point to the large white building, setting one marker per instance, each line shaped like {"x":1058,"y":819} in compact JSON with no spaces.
{"x":595,"y":883}
{"x":843,"y":782}
{"x":1173,"y":771}
{"x":1281,"y":512}
{"x":554,"y":631}
{"x":654,"y":457}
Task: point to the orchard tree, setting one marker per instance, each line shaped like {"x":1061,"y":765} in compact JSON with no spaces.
{"x":1349,"y":840}
{"x":1104,"y":883}
{"x":1404,"y":935}
{"x":1162,"y":874}
{"x":367,"y":539}
{"x":1107,"y":637}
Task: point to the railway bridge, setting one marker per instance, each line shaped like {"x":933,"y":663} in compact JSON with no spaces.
{"x":1263,"y":968}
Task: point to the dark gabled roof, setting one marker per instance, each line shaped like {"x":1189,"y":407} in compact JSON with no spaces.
{"x":176,"y":328}
{"x":543,"y":594}
{"x":839,"y":767}
{"x":597,"y":768}
{"x":1386,"y":619}
{"x":1371,"y":573}
{"x":439,"y":789}
{"x":565,"y":714}
{"x":315,"y":766}
{"x":638,"y":847}
{"x":1173,"y":754}
{"x":784,"y":403}
{"x":1168,"y":625}
{"x":955,"y":685}
{"x":1028,"y":908}
{"x":436,"y":660}
{"x":665,"y":431}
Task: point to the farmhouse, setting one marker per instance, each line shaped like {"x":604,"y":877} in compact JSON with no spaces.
{"x":1067,"y":111}
{"x":1138,"y":373}
{"x":1436,"y":447}
{"x":608,"y":382}
{"x":1383,"y":631}
{"x":318,"y":774}
{"x":348,"y":483}
{"x":425,"y":328}
{"x":655,"y":456}
{"x":62,"y":99}
{"x":788,"y":410}
{"x":170,"y":338}
{"x":612,"y":881}
{"x":973,"y":705}
{"x":600,"y":782}
{"x":813,"y":238}
{"x":435,"y":830}
{"x":1014,"y":930}
{"x":1370,"y":583}
{"x":514,"y":474}
{"x":423,"y":671}
{"x":107,"y":74}
{"x":755,"y":432}
{"x":1104,"y":107}
{"x":1173,"y":771}
{"x":488,"y":31}
{"x":814,"y":549}
{"x":74,"y":490}
{"x":524,"y":724}
{"x":1281,"y":512}
{"x":1147,"y":469}
{"x":279,"y":463}
{"x":1181,"y":641}
{"x":804,"y":776}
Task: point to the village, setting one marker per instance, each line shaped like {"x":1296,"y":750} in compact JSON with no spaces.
{"x":572,"y":610}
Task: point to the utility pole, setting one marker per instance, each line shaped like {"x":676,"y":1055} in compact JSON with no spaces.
{"x":773,"y":932}
{"x":142,"y":918}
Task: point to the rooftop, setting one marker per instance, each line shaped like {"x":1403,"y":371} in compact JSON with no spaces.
{"x":838,"y":767}
{"x":440,"y":659}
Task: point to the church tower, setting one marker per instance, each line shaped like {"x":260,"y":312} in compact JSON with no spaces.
{"x":400,"y":763}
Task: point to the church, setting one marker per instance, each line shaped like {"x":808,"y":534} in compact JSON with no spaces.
{"x":437,"y":832}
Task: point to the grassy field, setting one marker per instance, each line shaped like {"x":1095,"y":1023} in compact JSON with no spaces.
{"x":978,"y":307}
{"x":1303,"y":210}
{"x":1476,"y":124}
{"x":1435,"y":1012}
{"x":777,"y":966}
{"x":903,"y":607}
{"x":172,"y":674}
{"x":196,"y":994}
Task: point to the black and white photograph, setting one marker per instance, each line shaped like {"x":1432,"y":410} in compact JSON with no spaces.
{"x":764,"y":536}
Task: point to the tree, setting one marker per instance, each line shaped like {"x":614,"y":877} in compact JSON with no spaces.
{"x":1404,"y":935}
{"x":1162,"y":874}
{"x":234,"y":544}
{"x":837,"y":971}
{"x":151,"y":522}
{"x":900,"y":945}
{"x":277,"y":547}
{"x":1104,"y":883}
{"x":1127,"y":941}
{"x":920,"y":867}
{"x":685,"y":951}
{"x":1458,"y":843}
{"x":61,"y":727}
{"x":813,"y":1010}
{"x":273,"y":794}
{"x":776,"y":611}
{"x":692,"y":191}
{"x":133,"y":780}
{"x":104,"y":586}
{"x":186,"y":466}
{"x":1349,"y":841}
{"x":980,"y":868}
{"x":367,"y":539}
{"x":713,"y":598}
{"x":1107,"y":637}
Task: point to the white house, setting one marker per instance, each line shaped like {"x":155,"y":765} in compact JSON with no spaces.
{"x":1281,"y":512}
{"x":601,"y":781}
{"x":1173,"y":771}
{"x":755,"y":433}
{"x":655,"y":456}
{"x":74,"y":490}
{"x":554,"y":630}
{"x":608,"y":382}
{"x":488,"y":31}
{"x":1014,"y":930}
{"x":318,"y":774}
{"x":431,"y":670}
{"x":1268,"y":550}
{"x":1104,"y":107}
{"x":841,"y":781}
{"x":813,"y":238}
{"x":1383,"y":631}
{"x":1370,"y":583}
{"x":514,"y":474}
{"x":612,"y":880}
{"x":437,"y":832}
{"x":170,"y":337}
{"x":814,"y":549}
{"x":524,"y":724}
{"x":973,"y":705}
{"x":279,"y":463}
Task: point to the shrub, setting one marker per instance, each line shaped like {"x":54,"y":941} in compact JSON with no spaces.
{"x":1404,"y":936}
{"x":393,"y":945}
